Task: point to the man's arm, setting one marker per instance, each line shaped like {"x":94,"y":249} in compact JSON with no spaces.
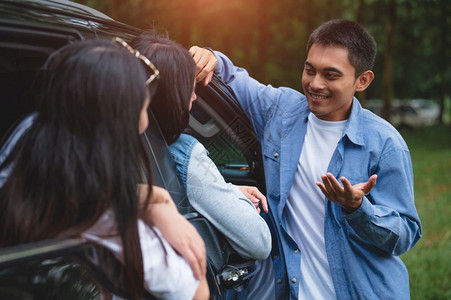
{"x":255,"y":98}
{"x":205,"y":64}
{"x":348,"y":196}
{"x":383,"y":215}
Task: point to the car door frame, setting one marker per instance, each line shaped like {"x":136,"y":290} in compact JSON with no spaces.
{"x":221,"y":104}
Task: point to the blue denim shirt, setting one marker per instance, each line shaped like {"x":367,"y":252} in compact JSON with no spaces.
{"x":363,"y":246}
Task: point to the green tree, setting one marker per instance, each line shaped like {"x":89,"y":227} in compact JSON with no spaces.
{"x":388,"y":65}
{"x":268,"y":37}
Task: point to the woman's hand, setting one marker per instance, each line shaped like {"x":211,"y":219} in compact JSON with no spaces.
{"x":178,"y":232}
{"x":256,"y":197}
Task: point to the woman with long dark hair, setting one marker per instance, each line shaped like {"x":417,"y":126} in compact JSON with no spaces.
{"x":233,"y":210}
{"x":74,"y":166}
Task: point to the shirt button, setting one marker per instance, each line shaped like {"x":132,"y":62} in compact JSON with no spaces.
{"x":296,"y":250}
{"x":293,"y":280}
{"x":275,"y":256}
{"x":279,"y":281}
{"x":276,"y":155}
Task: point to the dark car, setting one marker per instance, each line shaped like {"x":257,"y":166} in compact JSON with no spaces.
{"x":72,"y":268}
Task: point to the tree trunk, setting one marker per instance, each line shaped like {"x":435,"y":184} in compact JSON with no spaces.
{"x":360,"y":11}
{"x":334,"y":9}
{"x":387,"y":85}
{"x":309,"y":15}
{"x":187,"y":21}
{"x":361,"y":96}
{"x":443,"y":27}
{"x":263,"y":38}
{"x":114,"y":9}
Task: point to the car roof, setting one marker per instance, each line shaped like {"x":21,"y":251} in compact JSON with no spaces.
{"x":68,"y":7}
{"x":43,"y":11}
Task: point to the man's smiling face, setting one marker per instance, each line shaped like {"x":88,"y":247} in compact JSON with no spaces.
{"x":329,"y":82}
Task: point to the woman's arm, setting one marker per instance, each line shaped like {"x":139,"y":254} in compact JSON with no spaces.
{"x":203,"y":292}
{"x":180,"y":234}
{"x":257,"y":198}
{"x":226,"y":207}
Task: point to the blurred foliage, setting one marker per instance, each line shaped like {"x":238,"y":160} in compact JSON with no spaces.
{"x":268,"y":37}
{"x":428,"y":262}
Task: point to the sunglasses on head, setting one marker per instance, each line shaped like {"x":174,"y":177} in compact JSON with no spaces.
{"x":137,"y":54}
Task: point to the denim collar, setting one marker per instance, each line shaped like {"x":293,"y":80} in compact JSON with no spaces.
{"x":354,"y":127}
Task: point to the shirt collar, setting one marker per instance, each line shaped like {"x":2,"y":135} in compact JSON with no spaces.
{"x":354,"y":127}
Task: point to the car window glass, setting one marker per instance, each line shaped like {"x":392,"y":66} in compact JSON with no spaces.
{"x":23,"y":52}
{"x":216,"y":136}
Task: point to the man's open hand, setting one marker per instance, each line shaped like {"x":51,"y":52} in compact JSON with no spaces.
{"x":348,"y":196}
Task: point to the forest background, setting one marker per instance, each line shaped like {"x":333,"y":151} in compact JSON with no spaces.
{"x":268,"y":38}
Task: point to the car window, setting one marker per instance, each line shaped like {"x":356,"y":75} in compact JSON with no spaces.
{"x":23,"y":51}
{"x":220,"y":124}
{"x":217,"y":136}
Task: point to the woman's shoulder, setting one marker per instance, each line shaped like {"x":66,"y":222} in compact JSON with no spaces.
{"x":184,"y":140}
{"x":184,"y":145}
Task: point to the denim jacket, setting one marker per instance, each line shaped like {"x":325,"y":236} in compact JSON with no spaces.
{"x":223,"y":204}
{"x":181,"y":153}
{"x":362,"y":247}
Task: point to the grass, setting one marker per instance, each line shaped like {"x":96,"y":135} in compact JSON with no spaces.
{"x":429,"y":262}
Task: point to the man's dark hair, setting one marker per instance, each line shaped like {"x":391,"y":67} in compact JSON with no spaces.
{"x":350,"y":35}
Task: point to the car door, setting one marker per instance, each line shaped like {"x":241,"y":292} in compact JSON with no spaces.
{"x":220,"y":124}
{"x":63,"y":268}
{"x":29,"y":32}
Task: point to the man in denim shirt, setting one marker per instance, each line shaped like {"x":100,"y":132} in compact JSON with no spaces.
{"x":335,"y":240}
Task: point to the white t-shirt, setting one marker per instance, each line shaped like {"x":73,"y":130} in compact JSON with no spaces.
{"x":305,"y":210}
{"x":174,"y":280}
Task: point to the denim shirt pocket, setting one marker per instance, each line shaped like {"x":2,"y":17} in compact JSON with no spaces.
{"x":271,"y":156}
{"x":272,"y":151}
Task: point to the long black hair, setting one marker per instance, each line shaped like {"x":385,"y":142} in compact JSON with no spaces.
{"x":177,"y":70}
{"x":83,"y":154}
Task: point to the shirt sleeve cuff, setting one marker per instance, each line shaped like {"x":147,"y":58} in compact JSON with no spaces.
{"x":220,"y":64}
{"x":363,"y":213}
